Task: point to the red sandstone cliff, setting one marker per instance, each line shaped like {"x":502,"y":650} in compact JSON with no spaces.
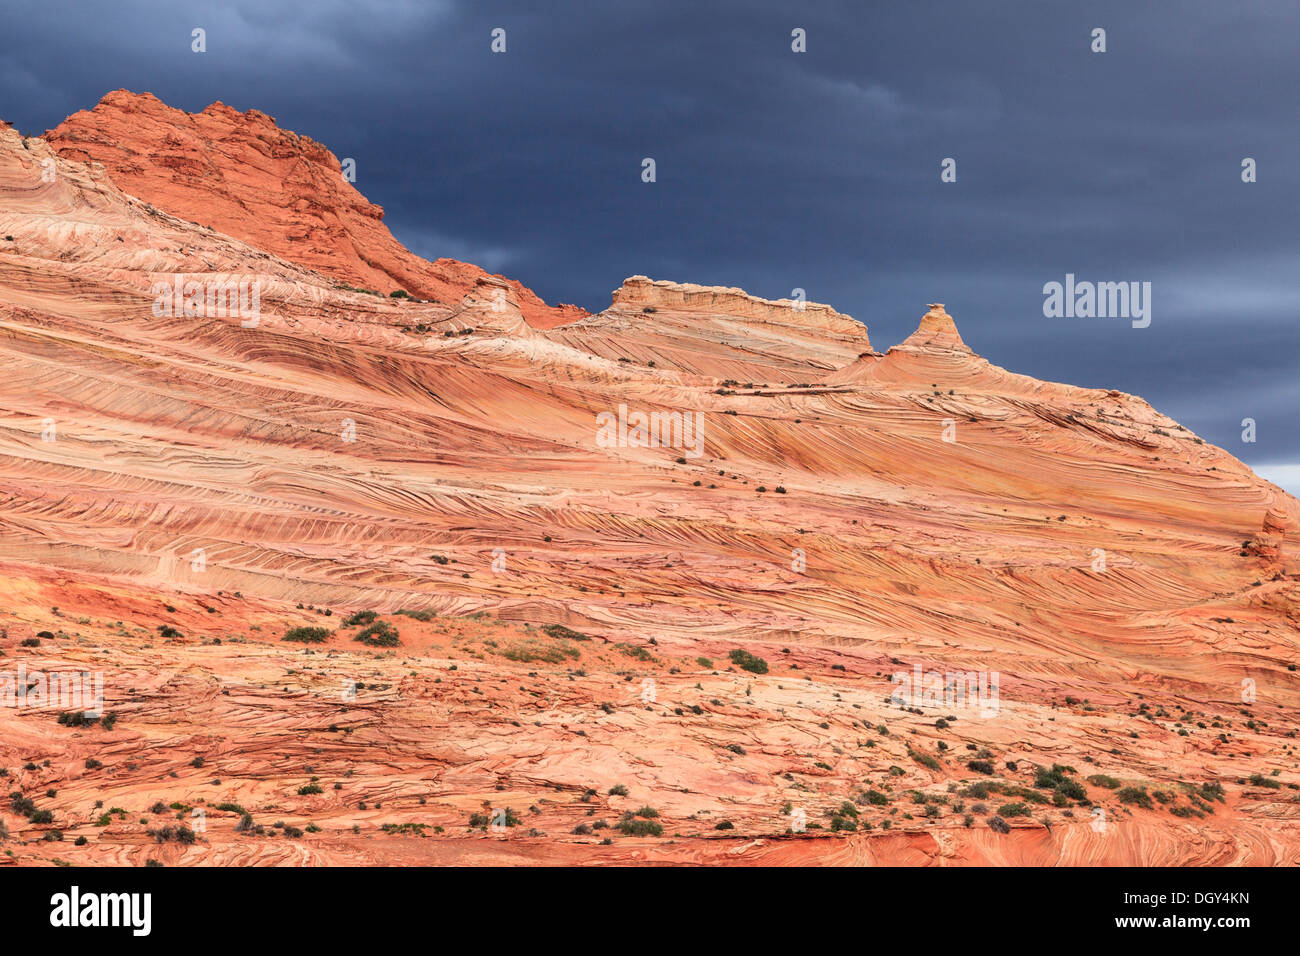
{"x":244,"y":176}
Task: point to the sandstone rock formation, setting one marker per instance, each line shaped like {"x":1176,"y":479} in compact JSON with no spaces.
{"x":719,"y":333}
{"x":179,"y":490}
{"x":242,"y":175}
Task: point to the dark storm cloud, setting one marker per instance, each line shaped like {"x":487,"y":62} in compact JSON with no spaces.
{"x":779,"y":170}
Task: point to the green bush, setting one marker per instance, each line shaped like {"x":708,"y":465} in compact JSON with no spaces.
{"x":426,"y":615}
{"x":560,"y":631}
{"x":1101,"y":780}
{"x":308,"y":635}
{"x":360,"y":617}
{"x":748,"y":662}
{"x":925,"y":760}
{"x":1135,"y":795}
{"x":1212,"y":791}
{"x":635,"y":826}
{"x":379,"y":634}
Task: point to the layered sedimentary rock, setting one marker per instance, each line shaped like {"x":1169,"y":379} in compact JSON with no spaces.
{"x":594,"y":518}
{"x":242,"y":175}
{"x":719,"y":333}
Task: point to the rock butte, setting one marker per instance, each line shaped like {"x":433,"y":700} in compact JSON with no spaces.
{"x":1123,"y":577}
{"x":242,"y":175}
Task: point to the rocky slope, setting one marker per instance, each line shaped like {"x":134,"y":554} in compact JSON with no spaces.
{"x":286,"y":194}
{"x":178,"y":490}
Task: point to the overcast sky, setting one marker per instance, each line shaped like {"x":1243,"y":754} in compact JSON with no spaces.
{"x":779,"y":170}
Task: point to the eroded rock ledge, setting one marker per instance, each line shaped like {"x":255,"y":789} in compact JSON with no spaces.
{"x":640,"y":292}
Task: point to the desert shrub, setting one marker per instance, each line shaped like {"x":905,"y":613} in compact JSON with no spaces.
{"x":631,"y":825}
{"x":925,"y":760}
{"x":618,"y":790}
{"x":360,"y":617}
{"x":169,"y":834}
{"x":1013,"y":810}
{"x":308,"y":790}
{"x":308,"y":635}
{"x":75,"y":718}
{"x":530,"y":651}
{"x":748,"y":662}
{"x":1212,"y":791}
{"x":379,"y":634}
{"x":998,"y":825}
{"x":426,"y":615}
{"x":562,"y":632}
{"x":1259,"y":780}
{"x":980,"y":766}
{"x":1135,"y":795}
{"x":21,"y":805}
{"x":1058,"y":779}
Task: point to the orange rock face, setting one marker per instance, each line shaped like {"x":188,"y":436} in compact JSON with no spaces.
{"x":242,"y":175}
{"x":702,"y":553}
